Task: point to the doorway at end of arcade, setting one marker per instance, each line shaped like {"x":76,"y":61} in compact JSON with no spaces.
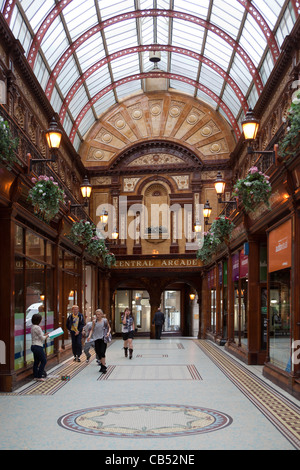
{"x":181,"y":311}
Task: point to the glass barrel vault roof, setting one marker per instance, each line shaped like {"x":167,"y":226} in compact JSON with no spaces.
{"x":90,"y":54}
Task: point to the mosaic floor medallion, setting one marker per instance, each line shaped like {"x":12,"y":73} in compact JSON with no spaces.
{"x":144,"y":420}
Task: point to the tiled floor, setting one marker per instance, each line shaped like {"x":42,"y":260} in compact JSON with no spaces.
{"x":177,"y":393}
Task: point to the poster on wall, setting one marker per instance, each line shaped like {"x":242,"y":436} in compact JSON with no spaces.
{"x":235,"y":267}
{"x":280,"y":247}
{"x":243,"y":264}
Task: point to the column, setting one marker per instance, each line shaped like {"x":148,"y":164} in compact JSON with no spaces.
{"x":295,"y":295}
{"x":230,"y":301}
{"x":7,"y":300}
{"x":253,"y":307}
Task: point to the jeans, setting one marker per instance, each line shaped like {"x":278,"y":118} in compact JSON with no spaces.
{"x":76,"y":344}
{"x":40,"y":361}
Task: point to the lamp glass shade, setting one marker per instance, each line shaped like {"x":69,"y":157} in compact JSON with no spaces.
{"x":197,"y":226}
{"x":219,"y":185}
{"x":86,"y":188}
{"x":115,"y":234}
{"x":53,"y":135}
{"x":250,"y":125}
{"x":104,"y":217}
{"x":207,"y":210}
{"x":192,"y":296}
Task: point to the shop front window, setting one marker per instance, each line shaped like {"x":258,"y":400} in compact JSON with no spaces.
{"x":19,"y":313}
{"x":32,"y":275}
{"x":49,"y":303}
{"x":280,"y":319}
{"x":244,"y":320}
{"x":213,"y":310}
{"x":141,"y":310}
{"x":171,"y":308}
{"x":34,"y":299}
{"x":264,"y":319}
{"x":236,"y":312}
{"x":138,"y":302}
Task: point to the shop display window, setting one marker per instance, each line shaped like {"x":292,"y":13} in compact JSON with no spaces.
{"x":33,"y":291}
{"x":236,"y":312}
{"x":172,"y":310}
{"x":280,"y":319}
{"x":213,"y":310}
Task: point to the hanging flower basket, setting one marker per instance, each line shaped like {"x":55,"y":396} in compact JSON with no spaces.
{"x":253,"y":189}
{"x":8,"y":145}
{"x":218,"y":233}
{"x":82,"y":233}
{"x":97,"y":248}
{"x":288,"y":146}
{"x":45,"y":197}
{"x":209,"y":247}
{"x":109,"y":259}
{"x":222,"y":228}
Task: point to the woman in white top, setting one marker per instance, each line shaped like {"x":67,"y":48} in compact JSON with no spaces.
{"x":99,"y":330}
{"x":37,"y":347}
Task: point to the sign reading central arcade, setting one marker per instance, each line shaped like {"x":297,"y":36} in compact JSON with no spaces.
{"x":157,"y":263}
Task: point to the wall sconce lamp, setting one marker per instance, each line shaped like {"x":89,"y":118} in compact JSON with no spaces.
{"x":206,"y":212}
{"x":197,"y":226}
{"x":115,"y":234}
{"x":220,"y":189}
{"x":250,"y":126}
{"x":53,"y":138}
{"x":240,"y":293}
{"x":192,"y":296}
{"x":86,"y":191}
{"x":86,"y":188}
{"x":104,"y":217}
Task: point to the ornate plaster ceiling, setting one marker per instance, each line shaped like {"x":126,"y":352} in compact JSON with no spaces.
{"x":158,"y":116}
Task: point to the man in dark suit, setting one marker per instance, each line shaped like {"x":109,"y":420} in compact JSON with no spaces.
{"x":158,"y":321}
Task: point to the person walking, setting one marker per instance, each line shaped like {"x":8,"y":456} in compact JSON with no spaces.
{"x":37,"y":347}
{"x":128,"y":331}
{"x":100,"y":329}
{"x":158,"y":321}
{"x":75,"y":324}
{"x":89,"y":344}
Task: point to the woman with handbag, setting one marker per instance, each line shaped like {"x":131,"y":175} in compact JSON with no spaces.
{"x":101,"y":334}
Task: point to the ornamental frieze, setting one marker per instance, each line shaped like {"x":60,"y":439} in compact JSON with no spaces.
{"x":156,"y":159}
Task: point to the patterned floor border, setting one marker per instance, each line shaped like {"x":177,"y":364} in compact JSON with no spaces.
{"x":54,"y":381}
{"x":280,"y":411}
{"x":191,"y":373}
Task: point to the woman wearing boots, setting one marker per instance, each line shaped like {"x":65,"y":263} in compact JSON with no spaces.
{"x":127,"y":331}
{"x":100,"y":328}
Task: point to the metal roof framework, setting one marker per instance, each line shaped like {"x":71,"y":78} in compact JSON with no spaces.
{"x":89,"y":55}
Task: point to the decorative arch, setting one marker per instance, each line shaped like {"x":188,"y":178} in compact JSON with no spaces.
{"x":140,"y":76}
{"x":144,"y":185}
{"x":190,"y":160}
